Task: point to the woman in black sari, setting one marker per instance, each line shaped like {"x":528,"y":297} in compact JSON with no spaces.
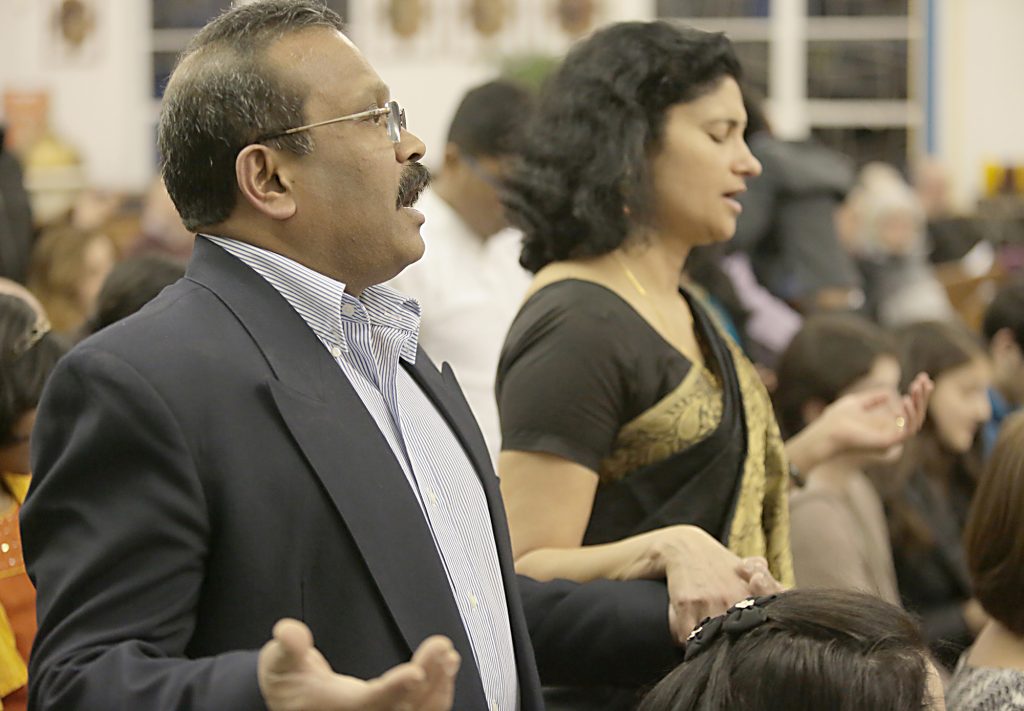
{"x":638,"y":441}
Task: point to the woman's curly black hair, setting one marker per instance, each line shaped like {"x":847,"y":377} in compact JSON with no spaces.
{"x":585,"y":158}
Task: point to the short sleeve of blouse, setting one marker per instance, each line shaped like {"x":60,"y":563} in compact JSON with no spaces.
{"x":563,"y":383}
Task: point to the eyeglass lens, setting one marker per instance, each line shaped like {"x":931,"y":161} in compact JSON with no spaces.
{"x":396,"y":121}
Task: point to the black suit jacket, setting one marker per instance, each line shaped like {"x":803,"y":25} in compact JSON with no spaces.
{"x":203,"y":469}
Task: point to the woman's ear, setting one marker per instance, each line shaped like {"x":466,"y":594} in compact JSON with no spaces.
{"x":263,"y":181}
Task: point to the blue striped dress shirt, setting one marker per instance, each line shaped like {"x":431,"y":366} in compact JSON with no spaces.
{"x":367,"y":336}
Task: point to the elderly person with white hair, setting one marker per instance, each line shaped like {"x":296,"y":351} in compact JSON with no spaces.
{"x":883,"y":225}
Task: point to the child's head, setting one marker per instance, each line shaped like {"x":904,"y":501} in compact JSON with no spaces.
{"x":804,"y":650}
{"x":994,"y":536}
{"x":1003,"y":327}
{"x":67,"y":269}
{"x":28,"y":352}
{"x":832,"y":355}
{"x":957,"y":363}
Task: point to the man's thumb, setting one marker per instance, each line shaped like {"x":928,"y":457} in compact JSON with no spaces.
{"x":289,"y":647}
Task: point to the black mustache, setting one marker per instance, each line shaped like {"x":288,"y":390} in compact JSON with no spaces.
{"x":415,"y":178}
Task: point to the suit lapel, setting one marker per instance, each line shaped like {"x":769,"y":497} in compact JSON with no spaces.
{"x":344,"y":447}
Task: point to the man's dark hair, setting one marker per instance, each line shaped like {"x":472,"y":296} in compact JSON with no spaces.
{"x":132,"y":284}
{"x":223,"y":96}
{"x":601,"y":116}
{"x":820,"y":649}
{"x":829,"y":353}
{"x":1006,"y":311}
{"x":27,"y":355}
{"x":491,"y":119}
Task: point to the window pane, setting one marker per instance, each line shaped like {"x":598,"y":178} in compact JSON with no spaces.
{"x":713,"y":8}
{"x":163,"y":65}
{"x":867,"y":144}
{"x":857,"y":70}
{"x":850,"y":8}
{"x":172,"y":14}
{"x":186,"y":13}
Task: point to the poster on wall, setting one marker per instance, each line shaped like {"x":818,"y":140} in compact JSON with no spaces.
{"x":75,"y":31}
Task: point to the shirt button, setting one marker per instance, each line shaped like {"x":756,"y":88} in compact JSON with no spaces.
{"x":494,"y":706}
{"x":5,"y":547}
{"x":348,"y":309}
{"x":432,"y":497}
{"x":473,"y":602}
{"x":335,"y":351}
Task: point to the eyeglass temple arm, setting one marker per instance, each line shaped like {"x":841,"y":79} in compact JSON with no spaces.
{"x":351,"y":117}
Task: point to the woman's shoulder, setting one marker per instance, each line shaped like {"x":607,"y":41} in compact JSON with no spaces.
{"x":578,"y":307}
{"x":576,"y":290}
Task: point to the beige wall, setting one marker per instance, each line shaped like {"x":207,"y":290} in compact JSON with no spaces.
{"x":980,"y":88}
{"x":104,"y":106}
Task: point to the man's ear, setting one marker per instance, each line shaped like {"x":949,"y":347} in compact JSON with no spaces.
{"x":1004,"y":348}
{"x":452,"y":158}
{"x":263,"y":181}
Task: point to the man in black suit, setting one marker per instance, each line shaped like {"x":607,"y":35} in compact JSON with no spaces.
{"x":265,"y":441}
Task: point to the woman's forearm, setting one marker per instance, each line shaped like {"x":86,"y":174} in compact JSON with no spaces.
{"x":644,"y":556}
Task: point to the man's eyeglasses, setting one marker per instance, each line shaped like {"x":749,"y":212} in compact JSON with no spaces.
{"x":395,"y":121}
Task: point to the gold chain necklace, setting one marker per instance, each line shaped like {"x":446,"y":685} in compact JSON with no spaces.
{"x":662,"y":322}
{"x":632,"y":277}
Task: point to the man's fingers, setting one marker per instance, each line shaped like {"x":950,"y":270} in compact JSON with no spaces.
{"x":427,"y":683}
{"x":441,"y":662}
{"x":762,"y":583}
{"x":749,"y":566}
{"x":287,"y":651}
{"x":435,"y":650}
{"x":397,"y":688}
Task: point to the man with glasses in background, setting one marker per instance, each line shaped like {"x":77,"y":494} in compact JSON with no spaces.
{"x":266,"y":440}
{"x":469,"y":281}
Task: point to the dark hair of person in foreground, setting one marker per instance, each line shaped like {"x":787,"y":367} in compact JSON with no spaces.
{"x":819,"y":650}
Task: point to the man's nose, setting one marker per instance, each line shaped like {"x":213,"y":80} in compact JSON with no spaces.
{"x":410,"y":148}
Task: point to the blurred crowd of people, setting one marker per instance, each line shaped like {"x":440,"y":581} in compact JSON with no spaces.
{"x":735,"y":400}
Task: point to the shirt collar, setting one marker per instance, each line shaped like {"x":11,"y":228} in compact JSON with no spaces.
{"x":323,"y":303}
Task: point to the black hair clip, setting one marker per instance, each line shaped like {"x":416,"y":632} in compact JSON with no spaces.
{"x":743,"y":616}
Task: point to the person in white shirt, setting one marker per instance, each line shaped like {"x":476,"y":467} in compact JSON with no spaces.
{"x":469,"y":281}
